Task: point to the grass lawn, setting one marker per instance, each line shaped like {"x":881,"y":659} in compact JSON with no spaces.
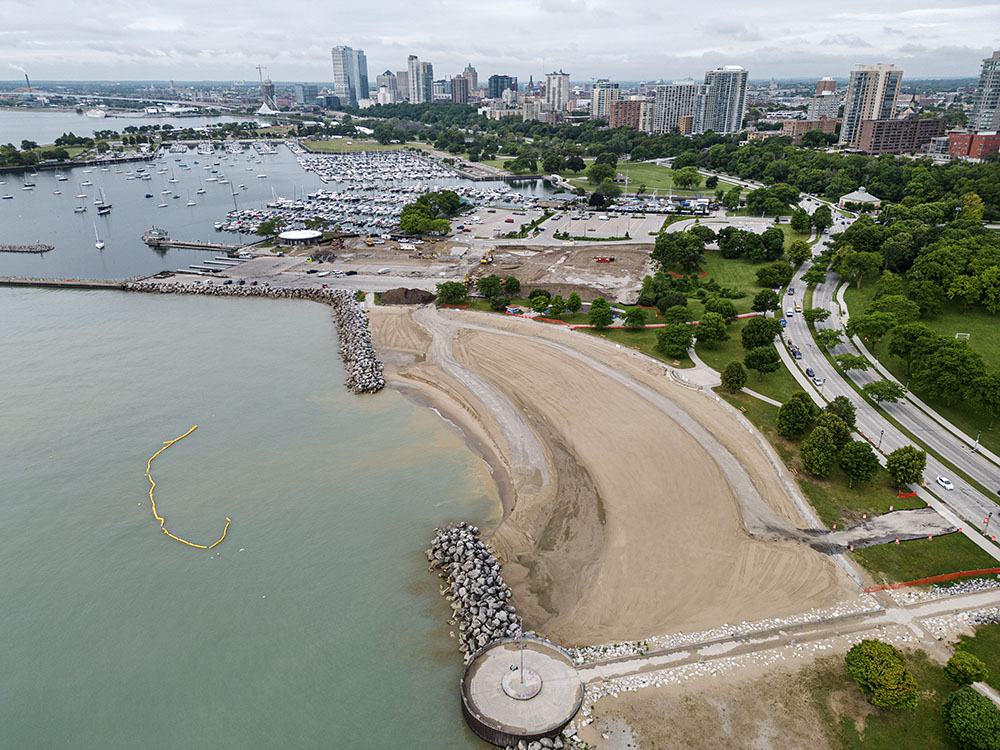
{"x":985,"y":645}
{"x":778,"y":385}
{"x":791,"y":236}
{"x":345,"y":145}
{"x":985,"y":339}
{"x":643,"y":339}
{"x":859,"y":726}
{"x":922,"y":558}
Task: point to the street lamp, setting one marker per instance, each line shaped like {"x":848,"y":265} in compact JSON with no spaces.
{"x":880,"y":434}
{"x":975,"y":448}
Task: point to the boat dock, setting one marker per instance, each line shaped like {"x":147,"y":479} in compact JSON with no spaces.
{"x":191,"y":245}
{"x":61,"y":283}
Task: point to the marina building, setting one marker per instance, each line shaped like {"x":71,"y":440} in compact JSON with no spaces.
{"x":986,"y":109}
{"x":721,"y":102}
{"x":871,"y":95}
{"x":350,"y":74}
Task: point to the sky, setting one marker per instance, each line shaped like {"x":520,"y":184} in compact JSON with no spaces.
{"x":618,"y":39}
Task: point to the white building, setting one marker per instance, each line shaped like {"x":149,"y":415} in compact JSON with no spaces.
{"x":556,"y":90}
{"x":721,"y":102}
{"x":986,"y":110}
{"x":350,"y":74}
{"x":871,"y":95}
{"x":672,"y":101}
{"x":604,"y":93}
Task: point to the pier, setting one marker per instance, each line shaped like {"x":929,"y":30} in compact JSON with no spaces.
{"x":62,"y":283}
{"x":191,"y":245}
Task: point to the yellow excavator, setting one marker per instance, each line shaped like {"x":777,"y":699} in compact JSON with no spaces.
{"x":487,"y":257}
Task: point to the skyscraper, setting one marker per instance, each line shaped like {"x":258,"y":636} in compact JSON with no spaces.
{"x":556,"y":90}
{"x":306,"y":93}
{"x":605,"y":92}
{"x":673,"y":101}
{"x":386,"y":79}
{"x":350,"y":74}
{"x":721,"y":101}
{"x":472,"y":76}
{"x":871,"y":95}
{"x":986,"y":109}
{"x":497,"y":84}
{"x":824,"y":85}
{"x":403,"y":84}
{"x":421,"y":80}
{"x":460,"y":89}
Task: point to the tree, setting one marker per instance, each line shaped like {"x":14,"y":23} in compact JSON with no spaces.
{"x":854,"y":265}
{"x":600,"y":315}
{"x":795,"y":416}
{"x":871,"y":326}
{"x":972,"y":720}
{"x":686,"y":178}
{"x":598,"y":173}
{"x":965,"y":668}
{"x":773,"y":240}
{"x":512,"y":286}
{"x":452,"y":293}
{"x":539,"y":304}
{"x":889,"y":283}
{"x":822,"y":218}
{"x":676,"y":314}
{"x":711,"y":182}
{"x":906,"y":465}
{"x":818,"y":452}
{"x":553,"y":163}
{"x":859,"y":462}
{"x":720,"y":305}
{"x":880,"y":669}
{"x":775,"y":275}
{"x":734,"y":377}
{"x":766,"y":299}
{"x":558,"y":306}
{"x":815,"y":275}
{"x":608,"y":189}
{"x":909,"y":341}
{"x":839,"y":430}
{"x":899,"y":307}
{"x":489,"y":286}
{"x":799,"y":252}
{"x":812,"y":314}
{"x":732,"y":198}
{"x":884,"y":390}
{"x":706,"y":234}
{"x":674,"y":340}
{"x":647,"y":295}
{"x":575,"y":163}
{"x":827,"y":337}
{"x":635,"y":317}
{"x":271,"y":227}
{"x":843,"y":408}
{"x":850,"y":362}
{"x":800,"y":221}
{"x":759,"y":332}
{"x":573,"y":302}
{"x":682,"y":249}
{"x":607,"y":157}
{"x":763,"y":359}
{"x":711,"y":329}
{"x":949,"y":371}
{"x":986,"y":393}
{"x":540,"y":293}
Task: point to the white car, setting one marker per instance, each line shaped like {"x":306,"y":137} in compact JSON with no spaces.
{"x":945,"y":482}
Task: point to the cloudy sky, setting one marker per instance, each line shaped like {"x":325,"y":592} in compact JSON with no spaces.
{"x":618,"y":39}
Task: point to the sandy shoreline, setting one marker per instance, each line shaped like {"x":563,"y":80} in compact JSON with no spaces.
{"x":627,"y":499}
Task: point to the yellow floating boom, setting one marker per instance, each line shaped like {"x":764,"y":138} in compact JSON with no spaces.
{"x":158,"y":517}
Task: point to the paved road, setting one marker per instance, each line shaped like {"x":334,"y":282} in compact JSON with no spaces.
{"x":965,"y":501}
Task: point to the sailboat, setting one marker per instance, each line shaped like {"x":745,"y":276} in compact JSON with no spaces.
{"x":201,"y":188}
{"x":191,"y":202}
{"x":100,"y":243}
{"x":103,"y":207}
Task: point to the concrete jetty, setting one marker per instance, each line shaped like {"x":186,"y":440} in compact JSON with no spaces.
{"x":61,"y":283}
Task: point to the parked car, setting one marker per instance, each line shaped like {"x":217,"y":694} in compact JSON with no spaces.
{"x":508,"y":221}
{"x":945,"y":482}
{"x":351,"y":273}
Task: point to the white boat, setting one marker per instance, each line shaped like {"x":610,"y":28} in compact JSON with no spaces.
{"x":79,"y":209}
{"x":86,"y":183}
{"x":161,"y":205}
{"x":61,"y":177}
{"x":261,"y":176}
{"x":99,"y":244}
{"x":96,"y":113}
{"x":57,"y":192}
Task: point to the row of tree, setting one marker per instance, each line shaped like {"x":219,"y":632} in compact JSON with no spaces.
{"x":429,"y":214}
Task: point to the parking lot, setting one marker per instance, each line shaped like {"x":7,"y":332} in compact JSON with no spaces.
{"x":597,"y":225}
{"x":490,"y":222}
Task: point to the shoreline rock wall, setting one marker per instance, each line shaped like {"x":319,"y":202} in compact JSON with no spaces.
{"x":476,"y":591}
{"x":363,"y":367}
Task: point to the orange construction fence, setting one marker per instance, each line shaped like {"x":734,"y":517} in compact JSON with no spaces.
{"x":935,"y":579}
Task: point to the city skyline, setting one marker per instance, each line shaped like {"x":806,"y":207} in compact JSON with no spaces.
{"x":184,"y":41}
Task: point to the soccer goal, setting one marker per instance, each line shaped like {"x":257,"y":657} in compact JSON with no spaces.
{"x":964,"y":336}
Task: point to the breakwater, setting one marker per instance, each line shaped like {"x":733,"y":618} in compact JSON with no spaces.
{"x":364,"y":369}
{"x":36,"y":248}
{"x":476,"y":591}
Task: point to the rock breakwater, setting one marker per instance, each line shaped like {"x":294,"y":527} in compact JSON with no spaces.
{"x":476,"y":591}
{"x":364,"y":369}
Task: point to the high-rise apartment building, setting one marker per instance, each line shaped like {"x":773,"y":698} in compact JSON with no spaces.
{"x":635,"y":112}
{"x":460,"y":89}
{"x":497,"y":84}
{"x":823,"y":106}
{"x":721,"y":102}
{"x":672,"y":101}
{"x":427,"y":81}
{"x":421,"y":80}
{"x":557,"y":90}
{"x":871,"y":95}
{"x":403,"y":84}
{"x":897,"y":136}
{"x":472,"y":76}
{"x":986,"y":109}
{"x":350,"y":74}
{"x":603,"y":95}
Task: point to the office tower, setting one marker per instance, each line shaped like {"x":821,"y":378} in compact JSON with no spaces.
{"x":350,"y":74}
{"x":427,"y":81}
{"x":605,"y":92}
{"x":472,"y":76}
{"x":871,"y":95}
{"x":386,"y":80}
{"x":721,"y":102}
{"x":672,"y":101}
{"x":497,"y":84}
{"x":824,"y":85}
{"x":416,"y":90}
{"x":305,"y":94}
{"x":403,"y":84}
{"x":460,"y":89}
{"x":556,"y":90}
{"x":986,"y":109}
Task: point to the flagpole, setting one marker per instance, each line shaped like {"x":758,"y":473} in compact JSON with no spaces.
{"x":520,"y":640}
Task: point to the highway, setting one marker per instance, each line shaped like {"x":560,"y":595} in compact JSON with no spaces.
{"x":965,"y":501}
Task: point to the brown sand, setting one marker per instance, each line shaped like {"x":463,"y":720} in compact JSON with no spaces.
{"x":633,"y":527}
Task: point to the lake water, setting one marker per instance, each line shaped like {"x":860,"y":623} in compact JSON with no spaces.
{"x":314,"y":624}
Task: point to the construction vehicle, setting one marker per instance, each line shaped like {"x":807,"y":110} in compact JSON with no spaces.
{"x":487,"y":257}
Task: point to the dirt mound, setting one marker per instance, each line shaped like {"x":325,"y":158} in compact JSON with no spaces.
{"x":406,"y":297}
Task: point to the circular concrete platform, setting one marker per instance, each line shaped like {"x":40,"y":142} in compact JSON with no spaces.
{"x":502,"y":706}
